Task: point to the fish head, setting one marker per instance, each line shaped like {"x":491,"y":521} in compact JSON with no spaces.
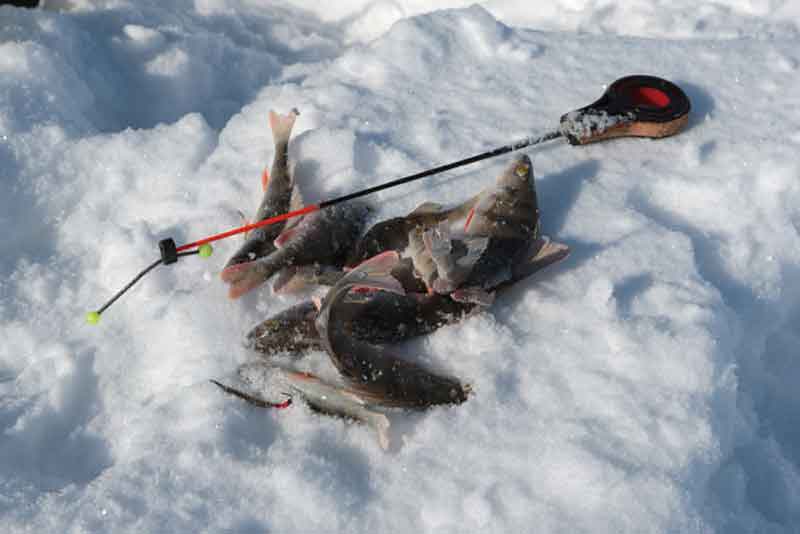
{"x":508,"y":209}
{"x":257,"y":245}
{"x":518,"y":175}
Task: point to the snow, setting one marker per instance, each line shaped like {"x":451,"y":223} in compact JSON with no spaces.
{"x":645,"y":384}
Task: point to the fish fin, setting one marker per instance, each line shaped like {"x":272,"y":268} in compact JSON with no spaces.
{"x":427,"y":208}
{"x":549,"y":249}
{"x":297,"y":278}
{"x":482,"y":204}
{"x":543,"y":253}
{"x":475,"y":248}
{"x":281,"y":125}
{"x":232,"y":272}
{"x":473,"y":295}
{"x":242,"y":278}
{"x":376,"y":273}
{"x":264,"y":178}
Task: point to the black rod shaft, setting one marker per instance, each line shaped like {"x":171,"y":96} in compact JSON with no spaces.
{"x":122,"y":291}
{"x":528,"y":141}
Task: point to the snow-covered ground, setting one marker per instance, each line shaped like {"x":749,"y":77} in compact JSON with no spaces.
{"x":646,"y":384}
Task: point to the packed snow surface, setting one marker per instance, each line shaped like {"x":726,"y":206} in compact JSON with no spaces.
{"x":648,"y":383}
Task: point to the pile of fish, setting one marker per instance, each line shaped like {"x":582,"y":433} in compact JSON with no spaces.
{"x":404,"y":277}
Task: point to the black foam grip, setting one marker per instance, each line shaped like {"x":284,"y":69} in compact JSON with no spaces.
{"x":169,"y":252}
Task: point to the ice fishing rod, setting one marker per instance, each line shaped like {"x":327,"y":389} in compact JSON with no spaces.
{"x":633,"y":106}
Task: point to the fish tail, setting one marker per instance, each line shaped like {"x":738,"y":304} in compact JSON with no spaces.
{"x":541,"y":254}
{"x":281,"y":125}
{"x":243,"y":277}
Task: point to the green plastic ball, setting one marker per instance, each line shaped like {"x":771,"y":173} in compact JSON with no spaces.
{"x":205,"y":250}
{"x":92,"y":317}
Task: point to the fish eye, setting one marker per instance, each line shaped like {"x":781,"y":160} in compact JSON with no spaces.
{"x":522,"y":169}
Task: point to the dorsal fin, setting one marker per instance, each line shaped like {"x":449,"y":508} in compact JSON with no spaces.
{"x":427,"y":208}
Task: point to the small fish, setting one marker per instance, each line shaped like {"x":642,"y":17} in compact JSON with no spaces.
{"x":370,"y":370}
{"x":321,"y":237}
{"x":321,"y":396}
{"x":340,"y":401}
{"x":278,"y":189}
